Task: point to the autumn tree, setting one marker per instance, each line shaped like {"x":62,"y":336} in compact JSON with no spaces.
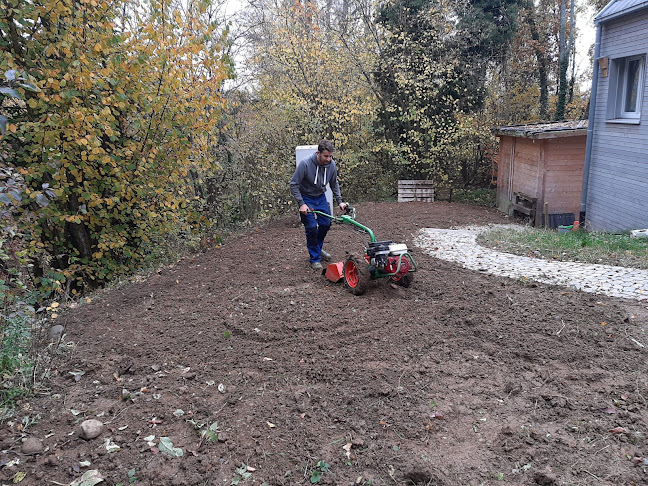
{"x":128,"y":97}
{"x":312,"y":65}
{"x":565,"y":49}
{"x":431,"y":75}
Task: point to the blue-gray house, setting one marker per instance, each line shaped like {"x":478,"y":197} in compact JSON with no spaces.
{"x":615,"y":179}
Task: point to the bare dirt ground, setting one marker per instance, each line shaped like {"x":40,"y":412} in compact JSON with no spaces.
{"x":462,"y":379}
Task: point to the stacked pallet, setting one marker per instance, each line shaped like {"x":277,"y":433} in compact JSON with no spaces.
{"x":415,"y":190}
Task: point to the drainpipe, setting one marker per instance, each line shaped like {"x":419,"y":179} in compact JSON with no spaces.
{"x":590,"y":125}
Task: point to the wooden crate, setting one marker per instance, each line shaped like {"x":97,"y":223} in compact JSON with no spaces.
{"x":415,"y":190}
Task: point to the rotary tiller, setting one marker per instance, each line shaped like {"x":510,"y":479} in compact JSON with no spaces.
{"x":380,"y":259}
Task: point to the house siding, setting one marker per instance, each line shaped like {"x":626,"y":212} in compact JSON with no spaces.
{"x":617,"y":195}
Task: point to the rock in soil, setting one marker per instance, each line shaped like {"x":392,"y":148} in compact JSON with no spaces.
{"x":31,"y":446}
{"x":56,"y":332}
{"x":90,"y":429}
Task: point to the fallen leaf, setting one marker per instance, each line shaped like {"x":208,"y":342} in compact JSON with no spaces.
{"x":18,"y":477}
{"x":437,"y":415}
{"x":167,"y":447}
{"x":89,"y":478}
{"x":77,"y":374}
{"x":619,"y":430}
{"x":110,"y":447}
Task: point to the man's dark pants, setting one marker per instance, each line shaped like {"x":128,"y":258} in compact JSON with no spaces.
{"x":316,"y":226}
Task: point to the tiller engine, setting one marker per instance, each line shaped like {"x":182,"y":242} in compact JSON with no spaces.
{"x":380,"y":259}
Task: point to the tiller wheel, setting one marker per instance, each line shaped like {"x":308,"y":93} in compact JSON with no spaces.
{"x":356,"y":275}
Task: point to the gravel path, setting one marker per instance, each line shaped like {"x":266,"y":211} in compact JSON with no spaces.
{"x":459,"y":245}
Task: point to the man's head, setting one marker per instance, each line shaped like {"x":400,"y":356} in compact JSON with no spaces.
{"x":324,"y":152}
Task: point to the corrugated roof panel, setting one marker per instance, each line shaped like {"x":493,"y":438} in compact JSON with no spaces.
{"x":617,"y":8}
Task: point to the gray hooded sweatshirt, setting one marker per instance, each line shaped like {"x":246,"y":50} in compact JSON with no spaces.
{"x":310,"y":179}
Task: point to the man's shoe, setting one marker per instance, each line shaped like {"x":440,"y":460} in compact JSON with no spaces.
{"x":316,"y":266}
{"x":325,"y":256}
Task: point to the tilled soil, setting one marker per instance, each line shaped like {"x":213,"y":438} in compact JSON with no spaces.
{"x":461,"y":379}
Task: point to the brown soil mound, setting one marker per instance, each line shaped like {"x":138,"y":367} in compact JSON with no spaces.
{"x":461,"y":379}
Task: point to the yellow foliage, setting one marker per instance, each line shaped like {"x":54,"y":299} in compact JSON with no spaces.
{"x":113,"y":130}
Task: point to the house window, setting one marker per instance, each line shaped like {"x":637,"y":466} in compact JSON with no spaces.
{"x":626,"y":89}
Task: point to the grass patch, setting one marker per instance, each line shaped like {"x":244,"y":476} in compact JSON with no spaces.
{"x":16,"y":362}
{"x":476,"y":197}
{"x":579,"y":246}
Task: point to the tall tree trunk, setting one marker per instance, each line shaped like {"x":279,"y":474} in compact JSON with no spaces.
{"x":327,"y":12}
{"x":542,"y":64}
{"x":564,"y":55}
{"x":571,"y":49}
{"x":78,"y":232}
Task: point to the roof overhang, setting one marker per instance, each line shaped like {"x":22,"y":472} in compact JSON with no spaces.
{"x":544,"y":130}
{"x":619,"y":8}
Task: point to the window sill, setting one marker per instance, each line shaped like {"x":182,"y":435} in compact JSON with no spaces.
{"x":625,"y":121}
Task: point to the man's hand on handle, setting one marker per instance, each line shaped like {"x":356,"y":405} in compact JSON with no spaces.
{"x":304,"y":209}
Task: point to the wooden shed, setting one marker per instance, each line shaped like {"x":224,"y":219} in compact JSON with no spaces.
{"x":540,"y":169}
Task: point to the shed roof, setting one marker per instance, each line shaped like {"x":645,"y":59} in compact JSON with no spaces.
{"x":567,"y":128}
{"x":618,"y":8}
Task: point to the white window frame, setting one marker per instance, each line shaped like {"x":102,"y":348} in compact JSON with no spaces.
{"x":617,"y":109}
{"x":623,"y":84}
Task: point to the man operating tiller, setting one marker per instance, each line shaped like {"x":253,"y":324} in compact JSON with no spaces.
{"x":308,"y":187}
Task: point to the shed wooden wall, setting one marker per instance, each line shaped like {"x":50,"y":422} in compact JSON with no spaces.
{"x":563,"y":183}
{"x":617,"y":196}
{"x":517,"y":169}
{"x":506,"y":147}
{"x":549,"y":169}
